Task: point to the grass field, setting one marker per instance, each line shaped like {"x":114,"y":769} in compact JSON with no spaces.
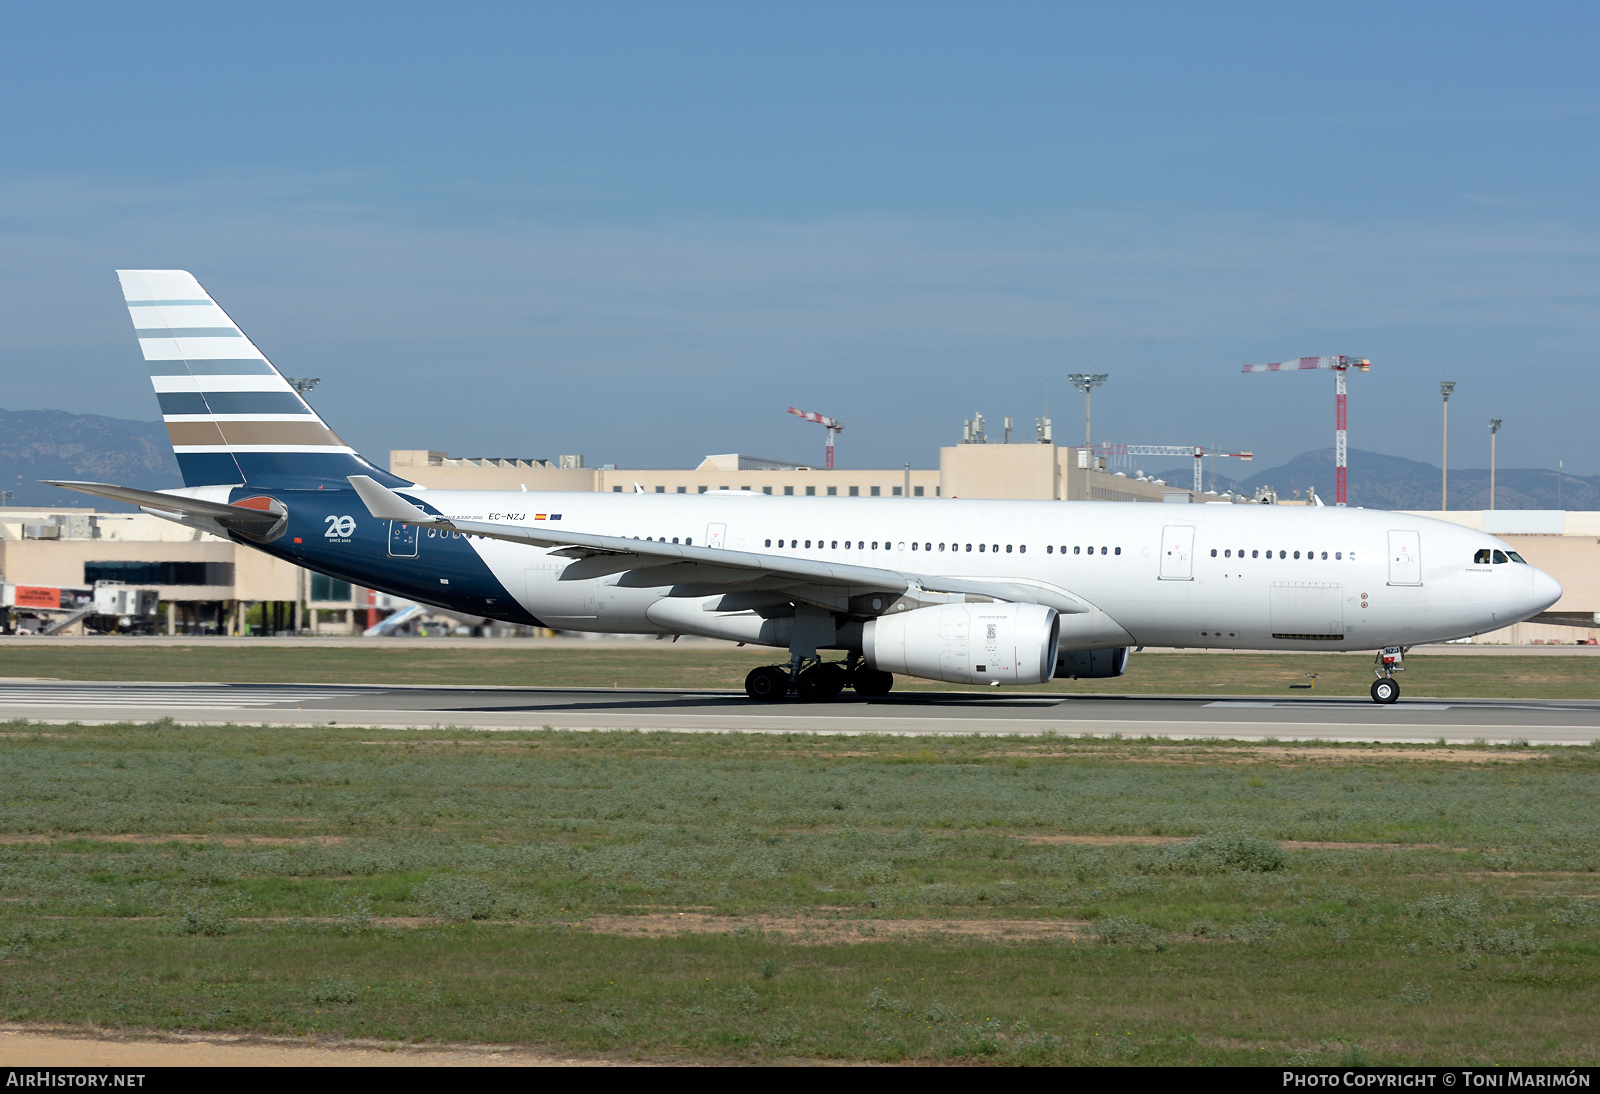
{"x":738,"y":898}
{"x":664,"y":665}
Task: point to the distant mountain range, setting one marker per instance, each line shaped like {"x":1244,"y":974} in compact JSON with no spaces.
{"x":52,"y":444}
{"x":1377,"y":481}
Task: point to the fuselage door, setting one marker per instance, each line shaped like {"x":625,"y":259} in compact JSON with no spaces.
{"x":1177,"y":552}
{"x":1405,"y":558}
{"x":402,"y":540}
{"x":714,"y":534}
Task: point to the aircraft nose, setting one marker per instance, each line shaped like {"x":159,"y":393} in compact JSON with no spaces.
{"x":1546,"y":590}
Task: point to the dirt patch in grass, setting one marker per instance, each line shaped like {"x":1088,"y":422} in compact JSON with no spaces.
{"x":1286,"y":844}
{"x":817,"y":930}
{"x":33,"y":1047}
{"x":1099,"y":841}
{"x":1483,"y":875}
{"x":1161,"y":753}
{"x":1445,"y":755}
{"x":179,"y":837}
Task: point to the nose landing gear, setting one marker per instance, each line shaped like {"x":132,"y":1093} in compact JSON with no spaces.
{"x":1386,"y":689}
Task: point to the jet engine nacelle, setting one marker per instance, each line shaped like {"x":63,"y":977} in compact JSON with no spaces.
{"x":1091,"y":664}
{"x":966,"y":643}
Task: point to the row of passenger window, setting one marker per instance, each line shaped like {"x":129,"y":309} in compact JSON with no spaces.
{"x":889,"y":545}
{"x":1338,"y":555}
{"x":810,"y":491}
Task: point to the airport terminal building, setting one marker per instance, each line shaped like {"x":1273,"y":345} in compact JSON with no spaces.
{"x":1037,"y":472}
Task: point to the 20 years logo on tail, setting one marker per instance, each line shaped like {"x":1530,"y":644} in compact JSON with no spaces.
{"x":340,"y":528}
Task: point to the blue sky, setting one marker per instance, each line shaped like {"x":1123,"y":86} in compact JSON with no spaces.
{"x":639,"y":231}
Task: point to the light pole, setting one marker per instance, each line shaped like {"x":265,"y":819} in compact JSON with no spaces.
{"x":1445,"y":388}
{"x":1494,"y":428}
{"x":1086,"y":383}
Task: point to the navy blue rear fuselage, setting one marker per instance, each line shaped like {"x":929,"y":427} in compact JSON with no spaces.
{"x":329,"y":530}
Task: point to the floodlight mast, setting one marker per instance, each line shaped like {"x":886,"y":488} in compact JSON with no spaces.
{"x":1086,"y":383}
{"x":1339,"y":365}
{"x":1445,"y":389}
{"x":1494,"y":431}
{"x":831,"y":425}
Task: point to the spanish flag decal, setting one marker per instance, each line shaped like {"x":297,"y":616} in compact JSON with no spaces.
{"x":538,"y":516}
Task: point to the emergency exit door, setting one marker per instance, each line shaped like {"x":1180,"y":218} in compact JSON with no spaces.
{"x":1405,"y":558}
{"x":402,"y":540}
{"x":1177,"y":552}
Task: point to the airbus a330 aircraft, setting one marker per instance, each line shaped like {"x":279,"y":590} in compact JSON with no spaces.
{"x":964,"y":591}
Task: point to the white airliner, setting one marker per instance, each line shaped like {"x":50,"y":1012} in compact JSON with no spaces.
{"x":963,"y":591}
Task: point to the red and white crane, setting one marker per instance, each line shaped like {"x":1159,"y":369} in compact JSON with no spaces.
{"x":830,"y":424}
{"x":1198,"y":452}
{"x":1339,"y":365}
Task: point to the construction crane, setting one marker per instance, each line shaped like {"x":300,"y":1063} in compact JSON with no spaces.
{"x":830,"y":424}
{"x":1339,"y":365}
{"x":1198,"y":452}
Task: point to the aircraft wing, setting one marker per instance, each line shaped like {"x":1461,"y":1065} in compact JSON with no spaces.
{"x":706,"y":571}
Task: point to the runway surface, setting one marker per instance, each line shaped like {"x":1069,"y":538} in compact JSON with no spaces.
{"x":1456,"y":721}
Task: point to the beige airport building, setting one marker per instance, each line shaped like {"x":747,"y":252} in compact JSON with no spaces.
{"x":195,"y":583}
{"x":1041,"y":472}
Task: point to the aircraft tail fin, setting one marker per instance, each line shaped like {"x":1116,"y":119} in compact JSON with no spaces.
{"x":231,"y":416}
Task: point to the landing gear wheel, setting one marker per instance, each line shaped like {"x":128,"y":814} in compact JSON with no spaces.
{"x":766,"y":684}
{"x":872,"y":683}
{"x":821,"y":682}
{"x":1385,"y":689}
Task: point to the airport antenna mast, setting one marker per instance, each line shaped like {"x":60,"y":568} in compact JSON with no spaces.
{"x":832,"y":425}
{"x":1339,"y":365}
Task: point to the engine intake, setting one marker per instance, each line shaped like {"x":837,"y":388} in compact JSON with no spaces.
{"x":966,"y":643}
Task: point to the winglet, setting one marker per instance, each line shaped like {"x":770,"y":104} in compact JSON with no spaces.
{"x":385,"y":504}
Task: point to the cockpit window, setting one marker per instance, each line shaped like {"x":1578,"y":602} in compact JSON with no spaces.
{"x":1516,"y":557}
{"x":1499,"y":557}
{"x":1481,"y":558}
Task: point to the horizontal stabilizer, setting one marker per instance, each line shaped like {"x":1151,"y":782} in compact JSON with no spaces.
{"x":237,"y":515}
{"x":385,"y":504}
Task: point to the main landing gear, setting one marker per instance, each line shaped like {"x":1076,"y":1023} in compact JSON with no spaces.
{"x":818,"y":681}
{"x":1386,"y":689}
